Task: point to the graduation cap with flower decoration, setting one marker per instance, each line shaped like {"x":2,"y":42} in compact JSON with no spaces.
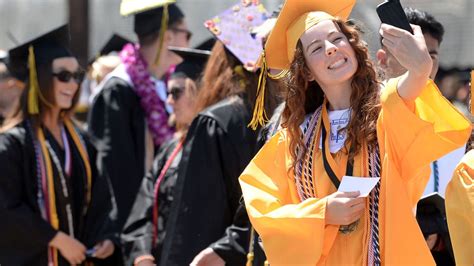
{"x":234,"y":26}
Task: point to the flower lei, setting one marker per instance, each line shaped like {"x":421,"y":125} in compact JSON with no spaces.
{"x":144,"y":87}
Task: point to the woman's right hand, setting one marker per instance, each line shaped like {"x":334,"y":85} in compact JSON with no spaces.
{"x":344,"y":208}
{"x":71,"y":249}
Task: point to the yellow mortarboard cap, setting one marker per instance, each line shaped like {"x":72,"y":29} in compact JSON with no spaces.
{"x":131,"y":7}
{"x":295,"y":18}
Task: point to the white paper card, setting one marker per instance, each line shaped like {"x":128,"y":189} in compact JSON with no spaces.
{"x":362,"y":184}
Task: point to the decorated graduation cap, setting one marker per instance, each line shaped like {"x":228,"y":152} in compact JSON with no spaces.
{"x":294,"y":19}
{"x":151,"y":16}
{"x":26,"y":58}
{"x":234,"y":26}
{"x":193,"y":63}
{"x":431,"y":214}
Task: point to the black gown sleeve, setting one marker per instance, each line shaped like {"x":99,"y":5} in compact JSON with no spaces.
{"x":23,"y":232}
{"x":208,"y":194}
{"x":137,"y":234}
{"x":112,"y":124}
{"x":101,"y":220}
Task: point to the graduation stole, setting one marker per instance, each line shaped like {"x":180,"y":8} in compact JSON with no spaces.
{"x":46,"y":191}
{"x":306,"y":186}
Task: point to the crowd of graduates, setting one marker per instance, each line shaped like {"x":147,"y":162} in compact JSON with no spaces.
{"x":233,"y":152}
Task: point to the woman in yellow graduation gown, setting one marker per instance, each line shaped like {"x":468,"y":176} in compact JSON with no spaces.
{"x":290,"y":187}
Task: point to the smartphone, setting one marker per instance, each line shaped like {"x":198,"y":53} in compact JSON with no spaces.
{"x":90,"y":253}
{"x":391,"y":12}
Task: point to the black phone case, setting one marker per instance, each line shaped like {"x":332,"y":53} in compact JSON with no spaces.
{"x":391,"y":12}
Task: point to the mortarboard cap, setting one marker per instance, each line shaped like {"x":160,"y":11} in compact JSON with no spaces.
{"x":47,"y":47}
{"x":132,"y":7}
{"x":431,"y":214}
{"x":295,"y":18}
{"x":114,"y":44}
{"x":206,"y":44}
{"x":233,"y":28}
{"x":193,"y":63}
{"x":25,"y":59}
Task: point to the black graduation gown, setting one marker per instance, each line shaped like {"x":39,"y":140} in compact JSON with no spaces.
{"x":24,"y":234}
{"x":138,"y":231}
{"x":117,"y":128}
{"x":219,"y":145}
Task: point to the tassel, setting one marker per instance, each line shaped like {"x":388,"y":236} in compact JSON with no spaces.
{"x":33,"y":107}
{"x":259,"y":115}
{"x":164,"y":27}
{"x":249,"y":259}
{"x":280,"y":75}
{"x":250,"y":255}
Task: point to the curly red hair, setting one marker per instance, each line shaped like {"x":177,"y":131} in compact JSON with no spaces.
{"x":365,"y":96}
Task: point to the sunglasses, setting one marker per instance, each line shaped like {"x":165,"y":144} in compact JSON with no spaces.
{"x":176,"y":93}
{"x":187,"y":32}
{"x":66,"y":76}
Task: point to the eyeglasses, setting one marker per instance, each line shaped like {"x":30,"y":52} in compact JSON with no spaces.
{"x":66,"y":76}
{"x":187,"y":32}
{"x":176,"y":93}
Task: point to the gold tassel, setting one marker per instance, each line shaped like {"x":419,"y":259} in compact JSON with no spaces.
{"x":33,"y":107}
{"x":164,"y":27}
{"x":259,"y":115}
{"x":280,"y":75}
{"x":250,"y":255}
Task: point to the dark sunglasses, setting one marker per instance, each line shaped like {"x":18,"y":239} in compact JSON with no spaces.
{"x":66,"y":76}
{"x":176,"y":93}
{"x":187,"y":32}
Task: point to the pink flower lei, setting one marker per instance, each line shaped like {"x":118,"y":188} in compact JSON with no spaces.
{"x":144,"y":87}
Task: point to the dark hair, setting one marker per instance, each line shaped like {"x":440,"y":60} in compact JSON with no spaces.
{"x":147,"y":24}
{"x":364,"y":96}
{"x":426,"y":21}
{"x":46,"y":87}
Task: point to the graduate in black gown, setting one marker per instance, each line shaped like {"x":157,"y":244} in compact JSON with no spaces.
{"x":208,"y":226}
{"x":128,"y":117}
{"x":55,"y":206}
{"x":146,"y":229}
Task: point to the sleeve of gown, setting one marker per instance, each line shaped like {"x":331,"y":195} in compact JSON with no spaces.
{"x":101,"y":223}
{"x":110,"y":130}
{"x":291,"y":233}
{"x":137,"y":233}
{"x":16,"y":215}
{"x":417,"y":137}
{"x":219,"y":169}
{"x":460,"y":210}
{"x":233,"y":246}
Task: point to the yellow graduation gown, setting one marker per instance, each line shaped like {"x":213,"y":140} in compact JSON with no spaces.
{"x":460,"y":210}
{"x":294,"y":232}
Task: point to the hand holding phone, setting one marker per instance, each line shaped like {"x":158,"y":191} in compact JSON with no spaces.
{"x":391,"y":12}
